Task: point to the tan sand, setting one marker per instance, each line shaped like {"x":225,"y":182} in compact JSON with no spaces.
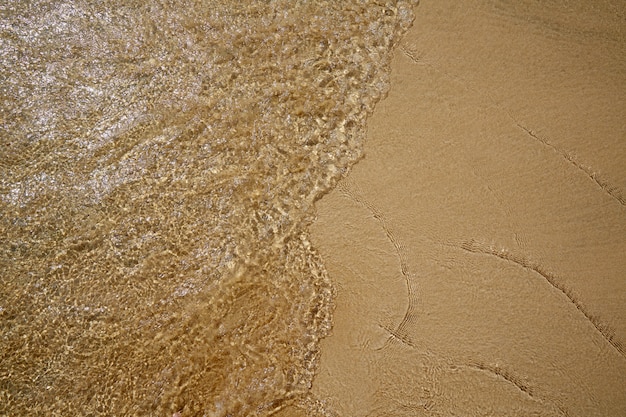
{"x":479,"y":248}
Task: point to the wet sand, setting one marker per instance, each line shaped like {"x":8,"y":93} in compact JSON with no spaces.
{"x":478,"y":249}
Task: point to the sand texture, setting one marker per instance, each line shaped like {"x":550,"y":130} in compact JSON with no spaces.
{"x":478,"y":249}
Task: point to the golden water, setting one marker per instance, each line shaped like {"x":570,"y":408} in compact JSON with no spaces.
{"x":159,"y":162}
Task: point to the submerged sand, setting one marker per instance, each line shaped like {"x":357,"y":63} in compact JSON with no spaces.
{"x":478,"y":249}
{"x":159,"y":164}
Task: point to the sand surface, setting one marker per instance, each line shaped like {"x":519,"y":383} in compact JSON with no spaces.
{"x":478,"y":249}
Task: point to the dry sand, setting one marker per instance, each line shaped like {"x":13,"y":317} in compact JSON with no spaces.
{"x":479,"y":248}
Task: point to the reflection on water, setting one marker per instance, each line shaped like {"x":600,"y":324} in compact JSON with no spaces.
{"x":158,"y":166}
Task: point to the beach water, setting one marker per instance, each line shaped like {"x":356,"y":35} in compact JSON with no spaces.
{"x":159,"y":162}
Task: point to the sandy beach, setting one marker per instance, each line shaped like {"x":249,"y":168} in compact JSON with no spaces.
{"x":478,"y":248}
{"x":172,"y":244}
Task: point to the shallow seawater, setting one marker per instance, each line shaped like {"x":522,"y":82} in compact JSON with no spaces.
{"x":159,"y":162}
